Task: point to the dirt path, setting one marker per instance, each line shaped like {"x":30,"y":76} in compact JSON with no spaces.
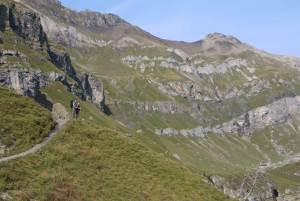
{"x":61,"y":123}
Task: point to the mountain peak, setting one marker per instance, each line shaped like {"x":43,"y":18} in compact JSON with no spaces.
{"x":218,"y":37}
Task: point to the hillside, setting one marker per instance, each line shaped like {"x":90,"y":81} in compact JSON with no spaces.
{"x":219,"y":106}
{"x":22,"y":124}
{"x":87,"y":162}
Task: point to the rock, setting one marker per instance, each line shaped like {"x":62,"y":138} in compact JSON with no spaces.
{"x":127,"y":42}
{"x":166,"y":107}
{"x":143,"y":67}
{"x":62,"y":61}
{"x":60,"y":112}
{"x":217,"y":43}
{"x":162,"y":88}
{"x":5,"y":197}
{"x":28,"y":81}
{"x":23,"y":81}
{"x":223,"y":67}
{"x":166,"y":131}
{"x":67,"y":35}
{"x":257,"y":119}
{"x":182,"y":54}
{"x":177,"y":156}
{"x":25,"y":24}
{"x":93,"y":87}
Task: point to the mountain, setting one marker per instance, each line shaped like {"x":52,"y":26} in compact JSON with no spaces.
{"x":218,"y":106}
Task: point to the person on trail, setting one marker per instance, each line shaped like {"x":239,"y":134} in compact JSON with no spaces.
{"x":77,"y":110}
{"x":73,"y":108}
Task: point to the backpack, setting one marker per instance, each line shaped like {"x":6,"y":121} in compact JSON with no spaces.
{"x":71,"y":104}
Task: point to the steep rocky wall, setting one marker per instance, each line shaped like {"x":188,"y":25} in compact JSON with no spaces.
{"x":259,"y":118}
{"x":68,"y":35}
{"x":62,"y":61}
{"x":94,"y":88}
{"x":27,"y":81}
{"x":24,"y":23}
{"x":87,"y":18}
{"x":200,"y":92}
{"x":63,"y":28}
{"x":27,"y":25}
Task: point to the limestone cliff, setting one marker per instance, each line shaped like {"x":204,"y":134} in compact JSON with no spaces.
{"x":28,"y":28}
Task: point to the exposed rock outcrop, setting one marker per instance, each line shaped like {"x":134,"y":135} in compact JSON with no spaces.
{"x":93,"y":87}
{"x":166,"y":107}
{"x":27,"y":25}
{"x":62,"y":61}
{"x":259,"y":118}
{"x":68,"y":35}
{"x":27,"y":81}
{"x":63,"y":28}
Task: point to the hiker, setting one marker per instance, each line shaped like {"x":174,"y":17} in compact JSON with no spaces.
{"x":74,"y":104}
{"x":77,"y":110}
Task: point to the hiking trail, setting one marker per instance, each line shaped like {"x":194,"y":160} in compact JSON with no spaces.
{"x":60,"y":125}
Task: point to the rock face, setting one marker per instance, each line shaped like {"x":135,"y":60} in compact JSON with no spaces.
{"x":85,"y":18}
{"x":219,"y":43}
{"x":62,"y":61}
{"x":278,"y":111}
{"x":27,"y":81}
{"x":23,"y":81}
{"x":67,"y":36}
{"x":59,"y":112}
{"x":164,"y":107}
{"x":66,"y":32}
{"x":259,"y":118}
{"x":95,"y":90}
{"x":25,"y":24}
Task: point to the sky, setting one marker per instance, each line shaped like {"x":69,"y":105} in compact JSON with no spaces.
{"x":270,"y":25}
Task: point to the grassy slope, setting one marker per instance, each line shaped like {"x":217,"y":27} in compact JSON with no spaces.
{"x":23,"y":123}
{"x":224,"y":155}
{"x":54,"y":173}
{"x":88,"y":162}
{"x":286,"y":177}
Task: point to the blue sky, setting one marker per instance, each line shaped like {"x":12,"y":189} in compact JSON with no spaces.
{"x":270,"y":25}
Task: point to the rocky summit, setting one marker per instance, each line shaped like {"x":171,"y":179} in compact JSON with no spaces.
{"x":218,"y":106}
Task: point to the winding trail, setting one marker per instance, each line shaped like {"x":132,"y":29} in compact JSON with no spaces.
{"x":60,"y":125}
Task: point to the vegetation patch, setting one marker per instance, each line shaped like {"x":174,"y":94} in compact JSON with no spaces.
{"x":23,"y":122}
{"x":85,"y":161}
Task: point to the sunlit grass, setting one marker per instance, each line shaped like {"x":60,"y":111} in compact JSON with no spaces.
{"x":87,"y":162}
{"x":23,"y":122}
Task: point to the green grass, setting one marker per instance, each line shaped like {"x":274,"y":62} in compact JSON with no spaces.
{"x":55,"y":45}
{"x":223,"y":155}
{"x":57,"y":93}
{"x":88,"y":162}
{"x":282,"y":135}
{"x":286,"y":177}
{"x":143,"y":91}
{"x":23,"y":122}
